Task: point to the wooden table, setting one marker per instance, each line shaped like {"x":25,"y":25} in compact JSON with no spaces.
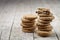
{"x":11,"y":12}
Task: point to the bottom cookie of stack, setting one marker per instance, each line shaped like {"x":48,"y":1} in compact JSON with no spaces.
{"x":43,"y":33}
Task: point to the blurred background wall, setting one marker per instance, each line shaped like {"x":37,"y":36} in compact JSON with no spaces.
{"x":54,"y":5}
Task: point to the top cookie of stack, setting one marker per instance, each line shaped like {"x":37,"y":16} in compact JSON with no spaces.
{"x":45,"y":14}
{"x":30,"y":16}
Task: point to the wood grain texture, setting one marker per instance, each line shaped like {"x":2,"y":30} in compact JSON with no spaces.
{"x":16,"y":33}
{"x":6,"y":20}
{"x":56,"y":26}
{"x":11,"y":12}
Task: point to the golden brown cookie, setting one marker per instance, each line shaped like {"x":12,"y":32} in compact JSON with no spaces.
{"x":31,"y":28}
{"x":44,"y":33}
{"x":42,"y":24}
{"x":42,"y":21}
{"x":39,"y":11}
{"x":43,"y":10}
{"x":45,"y":29}
{"x":28,"y":31}
{"x":30,"y":17}
{"x":27,"y":21}
{"x":45,"y":15}
{"x":47,"y":18}
{"x":26,"y":26}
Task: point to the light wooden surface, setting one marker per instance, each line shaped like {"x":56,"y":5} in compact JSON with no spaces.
{"x":11,"y":12}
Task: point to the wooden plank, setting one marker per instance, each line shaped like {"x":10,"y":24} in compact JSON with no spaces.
{"x":2,"y":6}
{"x":56,"y":26}
{"x":16,"y":33}
{"x":0,"y":35}
{"x":6,"y":20}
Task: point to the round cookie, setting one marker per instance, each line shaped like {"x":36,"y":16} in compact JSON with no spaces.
{"x":45,"y":15}
{"x":39,"y":11}
{"x":26,"y":26}
{"x":44,"y":33}
{"x":28,"y":31}
{"x":31,"y":28}
{"x":30,"y":17}
{"x":45,"y":29}
{"x":47,"y":18}
{"x":43,"y":10}
{"x":27,"y":21}
{"x":41,"y":24}
{"x":42,"y":21}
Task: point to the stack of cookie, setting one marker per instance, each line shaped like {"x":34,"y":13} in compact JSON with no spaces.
{"x":45,"y":17}
{"x":28,"y":23}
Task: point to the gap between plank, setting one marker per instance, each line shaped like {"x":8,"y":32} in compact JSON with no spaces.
{"x":56,"y":35}
{"x":0,"y":35}
{"x":11,"y":27}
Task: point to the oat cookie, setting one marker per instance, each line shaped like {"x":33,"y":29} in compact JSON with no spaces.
{"x":44,"y":33}
{"x":30,"y":16}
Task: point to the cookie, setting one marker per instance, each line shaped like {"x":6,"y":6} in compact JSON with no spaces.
{"x":45,"y":29}
{"x":28,"y":31}
{"x":26,"y":26}
{"x":43,"y":10}
{"x":45,"y":15}
{"x":44,"y":33}
{"x":41,"y":24}
{"x":31,"y":28}
{"x":42,"y":21}
{"x":47,"y":18}
{"x":27,"y":21}
{"x":30,"y":17}
{"x":39,"y":11}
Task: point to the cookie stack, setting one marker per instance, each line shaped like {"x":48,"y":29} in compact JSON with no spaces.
{"x":43,"y":22}
{"x":28,"y":23}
